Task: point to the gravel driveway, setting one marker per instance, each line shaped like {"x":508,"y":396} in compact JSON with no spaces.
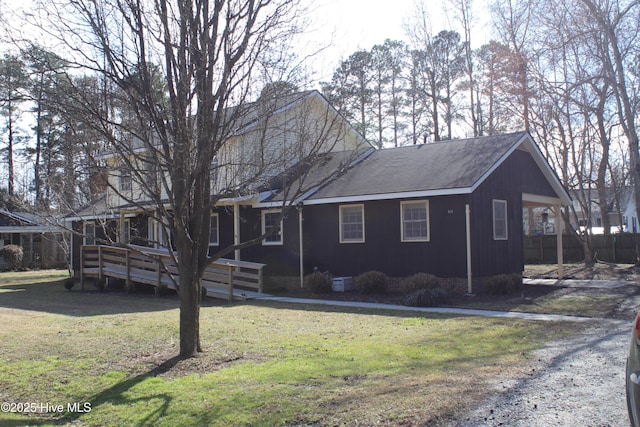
{"x":573,"y":382}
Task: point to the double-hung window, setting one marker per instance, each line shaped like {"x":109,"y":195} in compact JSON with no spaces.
{"x":500,"y":220}
{"x":125,"y":180}
{"x":415,"y":221}
{"x":89,"y":233}
{"x":214,"y":235}
{"x":271,"y":220}
{"x":352,"y":224}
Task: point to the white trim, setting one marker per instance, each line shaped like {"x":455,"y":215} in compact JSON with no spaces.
{"x":340,"y":231}
{"x":388,"y":196}
{"x":541,"y":200}
{"x":280,"y":232}
{"x":506,"y":219}
{"x":404,"y":203}
{"x":216,"y":216}
{"x":84,"y":232}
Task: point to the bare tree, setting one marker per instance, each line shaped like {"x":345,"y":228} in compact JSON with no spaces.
{"x":179,"y":76}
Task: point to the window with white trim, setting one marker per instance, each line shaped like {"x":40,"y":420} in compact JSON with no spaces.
{"x":415,"y":221}
{"x":352,"y":224}
{"x":271,"y":220}
{"x":125,"y":180}
{"x":214,"y":236}
{"x":89,"y":233}
{"x":500,"y":220}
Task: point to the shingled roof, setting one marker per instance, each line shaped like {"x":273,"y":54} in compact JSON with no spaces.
{"x":448,"y":167}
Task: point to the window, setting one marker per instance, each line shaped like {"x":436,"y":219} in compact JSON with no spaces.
{"x":500,"y":220}
{"x":271,"y":220}
{"x":213,"y":231}
{"x":126,"y":231}
{"x":352,"y":224}
{"x":125,"y":180}
{"x":89,"y":233}
{"x":415,"y":221}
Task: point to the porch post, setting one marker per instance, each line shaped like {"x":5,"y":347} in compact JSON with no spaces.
{"x":299,"y":207}
{"x":559,"y":232}
{"x":469,"y":274}
{"x":236,"y":229}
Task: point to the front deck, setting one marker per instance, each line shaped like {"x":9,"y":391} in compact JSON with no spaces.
{"x":225,"y":278}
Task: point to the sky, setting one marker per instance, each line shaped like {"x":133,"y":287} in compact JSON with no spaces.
{"x":349,"y":25}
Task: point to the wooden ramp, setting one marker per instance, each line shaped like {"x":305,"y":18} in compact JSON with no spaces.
{"x":225,"y":278}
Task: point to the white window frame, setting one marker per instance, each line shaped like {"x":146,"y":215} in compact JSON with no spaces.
{"x":403,"y":236}
{"x":86,"y":234}
{"x":125,"y":182}
{"x":502,"y":205}
{"x":279,"y":234}
{"x":351,"y":240}
{"x":214,"y":220}
{"x":126,"y":231}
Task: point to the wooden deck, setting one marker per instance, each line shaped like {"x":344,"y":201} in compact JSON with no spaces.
{"x":225,"y":278}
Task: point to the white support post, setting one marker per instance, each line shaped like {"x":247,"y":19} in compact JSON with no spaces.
{"x":469,"y":273}
{"x":301,"y":246}
{"x":236,"y":229}
{"x":559,"y":232}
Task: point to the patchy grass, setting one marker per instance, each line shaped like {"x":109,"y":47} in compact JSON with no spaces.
{"x":265,"y":363}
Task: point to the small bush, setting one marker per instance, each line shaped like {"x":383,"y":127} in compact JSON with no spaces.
{"x":419,"y":281}
{"x":372,"y":282}
{"x":319,"y":283}
{"x":69,"y":283}
{"x":503,"y":284}
{"x":13,"y":254}
{"x":426,"y":297}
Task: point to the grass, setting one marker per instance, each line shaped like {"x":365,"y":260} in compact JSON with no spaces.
{"x":265,"y":363}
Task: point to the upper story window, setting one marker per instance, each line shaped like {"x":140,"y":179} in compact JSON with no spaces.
{"x":271,"y":220}
{"x":352,"y":224}
{"x":125,"y":180}
{"x":500,"y":220}
{"x":415,"y":221}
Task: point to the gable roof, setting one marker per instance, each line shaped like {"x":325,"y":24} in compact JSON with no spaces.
{"x":442,"y":168}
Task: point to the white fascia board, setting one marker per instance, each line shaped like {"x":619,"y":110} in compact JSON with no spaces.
{"x":389,"y":196}
{"x":527,"y":142}
{"x":33,"y":229}
{"x":537,"y":199}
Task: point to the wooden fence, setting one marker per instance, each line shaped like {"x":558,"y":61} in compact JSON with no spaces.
{"x":156,"y":267}
{"x":618,"y":248}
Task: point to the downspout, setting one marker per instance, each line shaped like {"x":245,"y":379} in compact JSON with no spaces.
{"x":300,"y":219}
{"x":468,"y":224}
{"x":236,"y":229}
{"x":559,"y":231}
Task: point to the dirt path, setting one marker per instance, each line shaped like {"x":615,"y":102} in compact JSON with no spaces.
{"x":574,"y":382}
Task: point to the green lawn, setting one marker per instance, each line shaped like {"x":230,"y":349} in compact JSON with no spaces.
{"x":265,"y":363}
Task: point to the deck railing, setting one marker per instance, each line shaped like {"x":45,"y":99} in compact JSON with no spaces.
{"x":157,"y":267}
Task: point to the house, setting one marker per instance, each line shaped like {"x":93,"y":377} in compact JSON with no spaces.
{"x":453,"y":209}
{"x":620,"y":208}
{"x":44,"y":245}
{"x":272,"y":137}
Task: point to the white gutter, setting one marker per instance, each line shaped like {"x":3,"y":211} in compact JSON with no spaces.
{"x":469,"y":273}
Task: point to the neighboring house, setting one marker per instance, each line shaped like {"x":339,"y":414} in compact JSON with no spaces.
{"x":43,"y":245}
{"x":453,"y":209}
{"x":620,"y":208}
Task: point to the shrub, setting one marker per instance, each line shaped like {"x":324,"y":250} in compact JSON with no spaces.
{"x":319,"y":283}
{"x":503,"y":284}
{"x":372,"y":282}
{"x":419,"y":281}
{"x":69,"y":283}
{"x":13,"y":254}
{"x":426,"y":297}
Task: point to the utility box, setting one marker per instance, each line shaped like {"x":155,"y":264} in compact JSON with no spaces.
{"x":342,"y":284}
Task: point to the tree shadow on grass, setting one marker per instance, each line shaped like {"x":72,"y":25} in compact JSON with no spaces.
{"x":116,"y":396}
{"x":52,"y":297}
